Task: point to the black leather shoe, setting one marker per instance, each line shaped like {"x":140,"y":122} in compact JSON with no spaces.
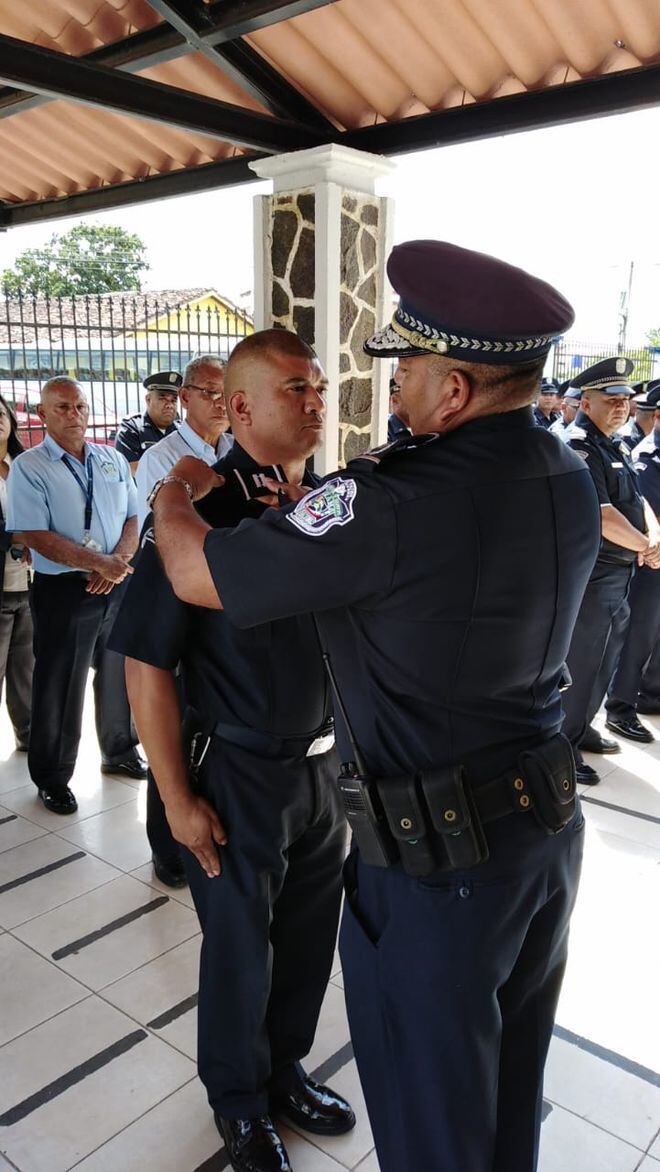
{"x":585,"y":775}
{"x":314,"y":1108}
{"x":171,"y":872}
{"x":630,"y":727}
{"x":253,"y":1145}
{"x":61,"y":802}
{"x":136,"y":767}
{"x":593,"y":742}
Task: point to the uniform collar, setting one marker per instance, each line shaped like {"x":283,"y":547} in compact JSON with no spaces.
{"x":585,"y":421}
{"x":194,"y":441}
{"x":243,"y":465}
{"x":504,"y":421}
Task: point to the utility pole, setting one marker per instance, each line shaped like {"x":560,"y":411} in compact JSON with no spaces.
{"x":624,"y":309}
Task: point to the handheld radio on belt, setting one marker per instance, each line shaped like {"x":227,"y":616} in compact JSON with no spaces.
{"x":434,"y":820}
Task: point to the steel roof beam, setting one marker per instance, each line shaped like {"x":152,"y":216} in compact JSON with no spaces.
{"x":57,"y":75}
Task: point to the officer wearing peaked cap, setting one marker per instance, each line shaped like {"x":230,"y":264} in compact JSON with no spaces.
{"x":141,"y":431}
{"x":569,"y":407}
{"x":546,"y":411}
{"x":641,"y":424}
{"x":630,"y":534}
{"x":631,"y":688}
{"x":446,"y":571}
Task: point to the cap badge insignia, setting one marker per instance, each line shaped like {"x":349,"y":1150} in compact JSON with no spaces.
{"x":325,"y":507}
{"x":621,"y":366}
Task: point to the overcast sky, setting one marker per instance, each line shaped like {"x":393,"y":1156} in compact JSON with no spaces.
{"x":574,"y":204}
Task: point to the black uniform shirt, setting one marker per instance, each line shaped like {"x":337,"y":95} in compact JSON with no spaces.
{"x":613,"y":473}
{"x":137,"y":433}
{"x":396,"y":428}
{"x":646,"y":457}
{"x":545,"y":421}
{"x":447,"y":573}
{"x":269,"y":678}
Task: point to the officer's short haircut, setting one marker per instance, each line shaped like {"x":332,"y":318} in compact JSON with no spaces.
{"x":265,"y":342}
{"x":505,"y":387}
{"x":60,"y":380}
{"x":199,"y":363}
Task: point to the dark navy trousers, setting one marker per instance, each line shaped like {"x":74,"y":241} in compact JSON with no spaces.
{"x":641,"y":639}
{"x":598,"y":636}
{"x":649,"y":692}
{"x":451,"y":988}
{"x":269,"y":922}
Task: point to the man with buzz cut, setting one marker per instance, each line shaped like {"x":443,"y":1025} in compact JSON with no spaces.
{"x":252,"y":797}
{"x":630,"y":535}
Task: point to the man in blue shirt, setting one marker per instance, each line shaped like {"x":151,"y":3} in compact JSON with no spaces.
{"x":76,"y":504}
{"x":202,"y":434}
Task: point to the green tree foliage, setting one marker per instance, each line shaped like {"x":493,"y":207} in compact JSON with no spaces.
{"x":90,"y":258}
{"x":654,"y":337}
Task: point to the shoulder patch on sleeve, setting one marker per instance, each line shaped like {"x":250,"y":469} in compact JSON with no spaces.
{"x":581,"y":453}
{"x":325,"y":507}
{"x":148,"y":536}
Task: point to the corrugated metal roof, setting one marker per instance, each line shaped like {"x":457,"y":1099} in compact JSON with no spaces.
{"x":358,"y":63}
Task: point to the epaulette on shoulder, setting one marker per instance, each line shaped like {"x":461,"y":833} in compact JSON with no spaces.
{"x":406,"y":443}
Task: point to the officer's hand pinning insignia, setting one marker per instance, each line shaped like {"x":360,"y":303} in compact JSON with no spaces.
{"x":325,"y":507}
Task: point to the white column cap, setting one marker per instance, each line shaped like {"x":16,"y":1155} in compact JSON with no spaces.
{"x":355,"y":170}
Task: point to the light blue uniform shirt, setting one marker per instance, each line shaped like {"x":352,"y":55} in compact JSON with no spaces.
{"x":42,"y":493}
{"x":160,"y":458}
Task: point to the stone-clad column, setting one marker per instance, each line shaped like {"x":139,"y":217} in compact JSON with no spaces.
{"x":321,"y":242}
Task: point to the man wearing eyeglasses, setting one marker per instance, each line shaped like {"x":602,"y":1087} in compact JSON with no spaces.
{"x":202,"y":433}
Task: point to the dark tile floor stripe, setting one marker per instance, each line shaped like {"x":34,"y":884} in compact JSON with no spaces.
{"x":621,"y":809}
{"x":10,"y":818}
{"x":107,"y":929}
{"x":215,"y":1163}
{"x":334,"y":1063}
{"x":42,"y":871}
{"x":546,"y":1110}
{"x":71,"y":1078}
{"x":623,"y":1063}
{"x":170,"y":1015}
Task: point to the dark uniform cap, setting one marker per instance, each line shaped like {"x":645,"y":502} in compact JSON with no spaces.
{"x":163,"y":380}
{"x":610,"y":377}
{"x":467,"y":305}
{"x":549,"y":387}
{"x":647,"y":395}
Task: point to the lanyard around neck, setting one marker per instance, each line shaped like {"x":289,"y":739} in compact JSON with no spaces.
{"x":88,"y":490}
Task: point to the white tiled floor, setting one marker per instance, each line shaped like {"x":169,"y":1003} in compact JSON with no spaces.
{"x":74,"y":1006}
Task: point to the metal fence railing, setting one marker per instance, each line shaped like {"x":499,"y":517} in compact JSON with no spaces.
{"x":569,"y":357}
{"x":109,"y":342}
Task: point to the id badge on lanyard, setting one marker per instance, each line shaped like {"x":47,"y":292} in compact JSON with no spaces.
{"x":88,"y":491}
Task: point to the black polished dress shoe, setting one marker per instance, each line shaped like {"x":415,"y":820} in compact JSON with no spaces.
{"x":585,"y":775}
{"x":593,"y":742}
{"x":135,"y":767}
{"x":314,"y":1108}
{"x":253,"y":1145}
{"x":630,"y":727}
{"x":171,"y":872}
{"x":60,"y":802}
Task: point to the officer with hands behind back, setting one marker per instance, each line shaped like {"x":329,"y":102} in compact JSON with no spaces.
{"x":260,"y":814}
{"x":446,"y":572}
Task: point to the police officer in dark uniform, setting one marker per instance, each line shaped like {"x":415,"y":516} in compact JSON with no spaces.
{"x":139,"y":432}
{"x":546,"y":411}
{"x":643,"y":635}
{"x":640,"y":424}
{"x":260,"y":736}
{"x":629,"y":534}
{"x":446,"y":571}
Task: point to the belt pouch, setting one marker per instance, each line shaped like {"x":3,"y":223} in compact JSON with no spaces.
{"x":549,"y":771}
{"x":454,"y":817}
{"x":407,"y":821}
{"x":365,"y":816}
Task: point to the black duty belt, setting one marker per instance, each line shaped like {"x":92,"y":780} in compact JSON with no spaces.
{"x":267,"y":745}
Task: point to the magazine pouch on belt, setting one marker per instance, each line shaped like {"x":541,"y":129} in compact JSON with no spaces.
{"x":406,"y":819}
{"x":454,"y":818}
{"x":549,"y":770}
